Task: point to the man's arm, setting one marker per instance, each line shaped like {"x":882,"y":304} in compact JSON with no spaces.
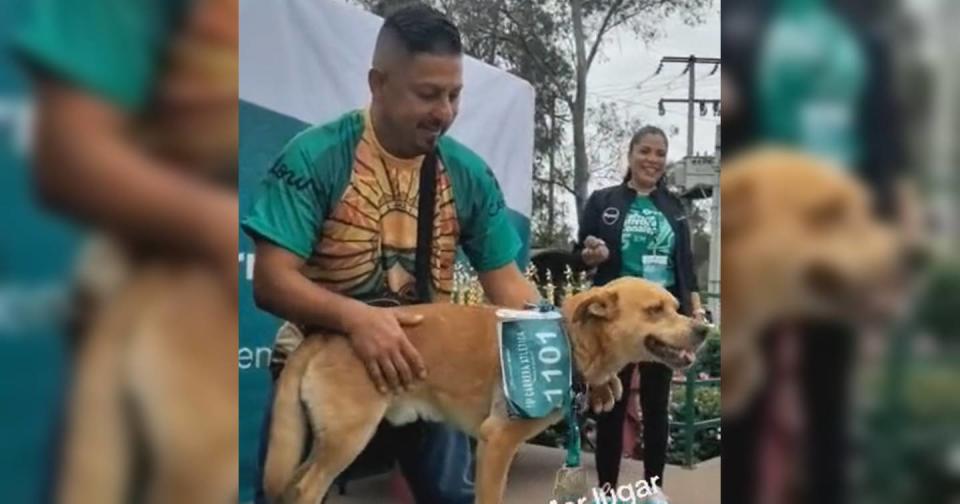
{"x":280,"y":287}
{"x":87,"y":166}
{"x":506,"y":286}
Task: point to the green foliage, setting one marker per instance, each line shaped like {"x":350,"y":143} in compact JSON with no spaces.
{"x":939,"y":305}
{"x":708,"y":358}
{"x":917,"y":432}
{"x":706,"y":441}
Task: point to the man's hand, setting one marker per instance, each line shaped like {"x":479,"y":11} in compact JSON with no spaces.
{"x":379,"y":340}
{"x":595,"y":251}
{"x":376,"y":334}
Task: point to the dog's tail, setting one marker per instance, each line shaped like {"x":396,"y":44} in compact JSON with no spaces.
{"x":288,"y":427}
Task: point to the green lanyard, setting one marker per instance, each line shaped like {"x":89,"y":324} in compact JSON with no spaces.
{"x":573,"y":432}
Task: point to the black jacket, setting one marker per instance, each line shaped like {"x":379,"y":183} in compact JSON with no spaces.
{"x":603,"y":217}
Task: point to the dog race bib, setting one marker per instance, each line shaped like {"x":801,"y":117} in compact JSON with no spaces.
{"x":656,"y":268}
{"x":535,"y":362}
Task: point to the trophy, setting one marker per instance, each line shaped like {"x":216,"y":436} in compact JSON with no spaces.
{"x":583,"y":284}
{"x":568,"y":279}
{"x":549,"y":289}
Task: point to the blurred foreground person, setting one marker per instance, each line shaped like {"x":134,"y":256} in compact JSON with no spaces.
{"x":136,"y":139}
{"x":802,"y":76}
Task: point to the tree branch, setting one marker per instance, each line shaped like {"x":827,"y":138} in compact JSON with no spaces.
{"x":563,"y":186}
{"x":549,"y":72}
{"x":604,"y":26}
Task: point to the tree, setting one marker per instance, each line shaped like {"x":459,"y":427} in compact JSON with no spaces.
{"x":553,"y":44}
{"x":591,"y":21}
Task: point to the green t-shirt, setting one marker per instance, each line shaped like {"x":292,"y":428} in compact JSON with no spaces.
{"x":647,"y":243}
{"x":811,"y":77}
{"x":112,"y":48}
{"x":336,"y":198}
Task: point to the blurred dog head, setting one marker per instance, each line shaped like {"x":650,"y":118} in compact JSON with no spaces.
{"x":631,"y":320}
{"x":800,"y":240}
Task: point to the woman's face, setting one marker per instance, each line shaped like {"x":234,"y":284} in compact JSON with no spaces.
{"x":648,"y":158}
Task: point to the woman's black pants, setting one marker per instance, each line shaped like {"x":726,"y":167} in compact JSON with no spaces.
{"x":655,"y":381}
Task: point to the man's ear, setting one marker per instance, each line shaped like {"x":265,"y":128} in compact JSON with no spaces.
{"x":600,"y":305}
{"x":376,"y":80}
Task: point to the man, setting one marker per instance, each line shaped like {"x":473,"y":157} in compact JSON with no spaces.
{"x":336,"y":228}
{"x":108,"y":81}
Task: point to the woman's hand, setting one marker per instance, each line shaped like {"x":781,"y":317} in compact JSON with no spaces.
{"x":595,"y":251}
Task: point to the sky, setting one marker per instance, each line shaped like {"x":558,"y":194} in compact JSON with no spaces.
{"x":627,"y":62}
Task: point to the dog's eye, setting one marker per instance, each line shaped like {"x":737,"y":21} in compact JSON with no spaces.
{"x":828,"y":213}
{"x":656,"y":309}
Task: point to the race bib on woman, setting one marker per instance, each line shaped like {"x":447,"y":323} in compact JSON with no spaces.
{"x":656,"y":268}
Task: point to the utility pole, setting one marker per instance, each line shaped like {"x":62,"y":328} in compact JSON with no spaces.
{"x":691,"y":62}
{"x":691,"y":99}
{"x":551,"y":209}
{"x":713,"y":273}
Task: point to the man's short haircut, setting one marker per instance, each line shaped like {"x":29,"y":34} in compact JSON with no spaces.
{"x":418,"y":28}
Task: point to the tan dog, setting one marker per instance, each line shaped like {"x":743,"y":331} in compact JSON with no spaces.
{"x":156,"y":380}
{"x":326,"y":385}
{"x":799,"y":240}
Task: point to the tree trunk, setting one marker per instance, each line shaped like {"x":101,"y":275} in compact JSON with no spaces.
{"x":581,"y":174}
{"x":491,"y":57}
{"x":552,"y":208}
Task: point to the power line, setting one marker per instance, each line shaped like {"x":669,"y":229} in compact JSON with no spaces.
{"x":690,"y":69}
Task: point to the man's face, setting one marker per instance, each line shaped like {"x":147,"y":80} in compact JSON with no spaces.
{"x":419,"y":97}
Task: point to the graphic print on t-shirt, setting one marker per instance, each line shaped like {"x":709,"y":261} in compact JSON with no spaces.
{"x":648,"y":243}
{"x":369,"y":240}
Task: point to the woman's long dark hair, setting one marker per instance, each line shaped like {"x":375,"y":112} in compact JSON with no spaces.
{"x":642,"y":132}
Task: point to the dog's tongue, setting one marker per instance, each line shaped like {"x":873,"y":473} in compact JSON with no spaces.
{"x":687,"y":355}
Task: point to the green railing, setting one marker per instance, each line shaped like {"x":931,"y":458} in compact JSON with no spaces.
{"x":690,"y":426}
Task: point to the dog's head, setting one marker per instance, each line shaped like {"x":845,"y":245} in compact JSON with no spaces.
{"x":631,"y":320}
{"x":800,"y":238}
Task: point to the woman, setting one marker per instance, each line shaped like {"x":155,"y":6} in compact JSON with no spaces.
{"x":639,"y":229}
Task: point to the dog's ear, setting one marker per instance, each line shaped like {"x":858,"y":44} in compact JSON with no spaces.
{"x":737,"y":194}
{"x":602,"y":304}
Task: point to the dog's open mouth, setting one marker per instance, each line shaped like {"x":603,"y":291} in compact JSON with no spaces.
{"x":672,"y":356}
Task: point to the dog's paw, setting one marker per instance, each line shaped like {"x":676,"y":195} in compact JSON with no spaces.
{"x":603,"y":397}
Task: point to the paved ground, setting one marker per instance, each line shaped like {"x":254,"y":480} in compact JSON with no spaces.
{"x":532,"y":476}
